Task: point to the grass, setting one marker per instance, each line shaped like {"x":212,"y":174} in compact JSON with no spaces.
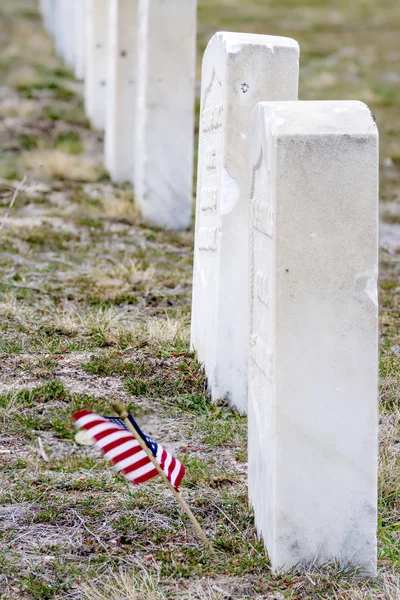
{"x":62,"y":164}
{"x":70,"y":142}
{"x":95,"y":307}
{"x":141,"y":586}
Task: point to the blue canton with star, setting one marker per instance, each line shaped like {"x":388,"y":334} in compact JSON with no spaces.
{"x":150,"y":443}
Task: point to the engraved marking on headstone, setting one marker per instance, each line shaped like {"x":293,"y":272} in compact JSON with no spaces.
{"x":211,"y":136}
{"x":211,"y":159}
{"x":208,"y":238}
{"x":209,"y":198}
{"x":256,"y":168}
{"x":212,"y":118}
{"x":261,"y":354}
{"x":262,"y":212}
{"x":262,"y":287}
{"x":263,"y":216}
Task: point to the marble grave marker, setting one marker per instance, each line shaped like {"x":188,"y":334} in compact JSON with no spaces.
{"x":163,"y":178}
{"x":239,"y":70}
{"x":80,"y":38}
{"x":97,"y":16}
{"x":313,"y":383}
{"x":122,"y":90}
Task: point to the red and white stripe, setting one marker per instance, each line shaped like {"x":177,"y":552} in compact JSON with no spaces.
{"x":118,"y":445}
{"x":171,"y":466}
{"x":121,"y":447}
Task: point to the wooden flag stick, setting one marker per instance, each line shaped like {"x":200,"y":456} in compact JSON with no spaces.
{"x":123,"y":414}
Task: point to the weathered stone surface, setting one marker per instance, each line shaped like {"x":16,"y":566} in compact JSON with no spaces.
{"x":239,"y":70}
{"x":80,"y":38}
{"x":97,"y":15}
{"x":47,"y":11}
{"x":313,"y":332}
{"x":165,"y":117}
{"x":59,"y":28}
{"x":122,"y":90}
{"x":69,"y":32}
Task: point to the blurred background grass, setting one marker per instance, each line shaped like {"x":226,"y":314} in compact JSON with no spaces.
{"x":349,"y":50}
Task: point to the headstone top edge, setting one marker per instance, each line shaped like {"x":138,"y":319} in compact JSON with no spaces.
{"x":317,"y":117}
{"x":234,"y":42}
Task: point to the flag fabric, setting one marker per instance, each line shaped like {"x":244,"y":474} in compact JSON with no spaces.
{"x":118,"y":444}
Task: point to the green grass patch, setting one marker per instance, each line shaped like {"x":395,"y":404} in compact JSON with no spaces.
{"x":51,"y":391}
{"x":32,"y":91}
{"x":69,"y":142}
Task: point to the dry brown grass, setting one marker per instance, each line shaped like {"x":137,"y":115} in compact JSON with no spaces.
{"x":9,"y":406}
{"x":120,"y":206}
{"x":105,"y":321}
{"x":389,"y":455}
{"x":55,"y":164}
{"x":29,"y":42}
{"x":11,"y":308}
{"x":167,"y":331}
{"x":144,"y":585}
{"x":122,"y":277}
{"x":389,"y":589}
{"x":24,"y":108}
{"x":25,"y":75}
{"x":110,"y":324}
{"x":124,"y":586}
{"x":129,"y":270}
{"x":8,"y":305}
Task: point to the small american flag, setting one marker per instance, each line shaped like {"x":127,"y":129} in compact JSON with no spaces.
{"x":119,"y":445}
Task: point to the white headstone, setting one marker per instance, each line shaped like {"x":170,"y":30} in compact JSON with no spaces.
{"x":69,"y":32}
{"x":313,"y":332}
{"x":45,"y":11}
{"x":239,"y":70}
{"x":165,"y":114}
{"x":97,"y":15}
{"x":122,"y":90}
{"x":51,"y":13}
{"x":80,"y":15}
{"x":59,"y":27}
{"x":43,"y":8}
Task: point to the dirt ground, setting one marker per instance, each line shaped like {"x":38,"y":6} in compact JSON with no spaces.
{"x":95,"y":307}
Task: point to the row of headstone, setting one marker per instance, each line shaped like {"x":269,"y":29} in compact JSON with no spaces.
{"x":285,"y":310}
{"x":137,"y":59}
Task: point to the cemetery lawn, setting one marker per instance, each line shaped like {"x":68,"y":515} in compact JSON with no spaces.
{"x":95,"y":307}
